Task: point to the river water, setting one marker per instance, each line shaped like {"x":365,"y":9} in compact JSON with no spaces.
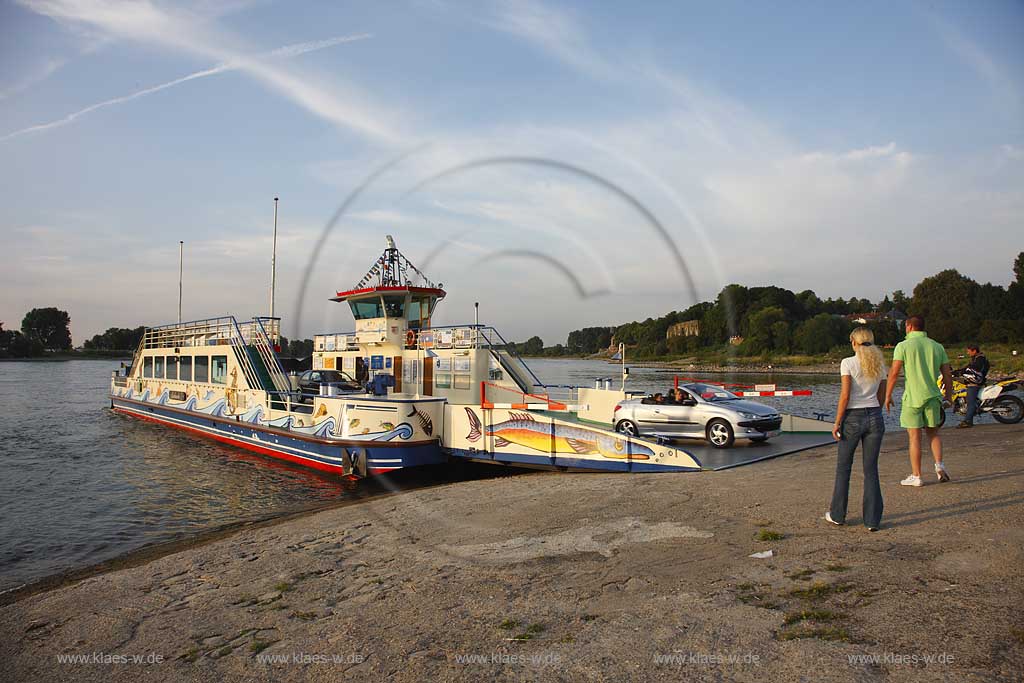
{"x":81,"y":484}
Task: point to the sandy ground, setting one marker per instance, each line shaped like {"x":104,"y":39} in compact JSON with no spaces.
{"x":577,"y":577}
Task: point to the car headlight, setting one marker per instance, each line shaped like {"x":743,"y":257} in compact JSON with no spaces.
{"x":749,"y":416}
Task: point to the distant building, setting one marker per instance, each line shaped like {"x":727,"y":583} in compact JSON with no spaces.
{"x":688,"y":328}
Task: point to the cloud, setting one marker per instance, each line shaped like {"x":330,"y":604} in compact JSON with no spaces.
{"x":1005,"y":87}
{"x":282,"y":52}
{"x":555,"y":31}
{"x":863,"y":154}
{"x":1013,"y":152}
{"x":188,"y":31}
{"x":40,"y":74}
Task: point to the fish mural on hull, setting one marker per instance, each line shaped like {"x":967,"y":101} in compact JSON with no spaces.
{"x":524,"y":430}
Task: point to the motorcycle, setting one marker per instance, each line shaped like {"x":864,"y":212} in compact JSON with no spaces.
{"x":993,"y":398}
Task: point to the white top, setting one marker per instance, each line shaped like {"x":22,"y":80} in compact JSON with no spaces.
{"x":863,"y":391}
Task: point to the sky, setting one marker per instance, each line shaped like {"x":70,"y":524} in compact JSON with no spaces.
{"x":563,"y":164}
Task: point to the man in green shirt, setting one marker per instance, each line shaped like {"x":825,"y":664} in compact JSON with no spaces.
{"x":921,"y":359}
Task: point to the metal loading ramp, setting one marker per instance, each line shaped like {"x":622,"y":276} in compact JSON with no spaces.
{"x":747,"y":452}
{"x":798,"y":434}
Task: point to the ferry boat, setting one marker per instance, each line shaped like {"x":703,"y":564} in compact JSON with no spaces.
{"x":426,"y":394}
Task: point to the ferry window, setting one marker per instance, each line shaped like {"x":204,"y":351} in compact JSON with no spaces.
{"x":368,"y":308}
{"x":202,"y":368}
{"x":220,"y":370}
{"x":419,"y":313}
{"x":147,"y":366}
{"x":158,"y":367}
{"x":185,"y":369}
{"x":172,"y":367}
{"x":394,"y":306}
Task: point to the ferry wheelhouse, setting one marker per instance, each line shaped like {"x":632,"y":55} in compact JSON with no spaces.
{"x":426,"y":394}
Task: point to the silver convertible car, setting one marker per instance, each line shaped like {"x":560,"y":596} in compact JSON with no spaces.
{"x":706,"y":412}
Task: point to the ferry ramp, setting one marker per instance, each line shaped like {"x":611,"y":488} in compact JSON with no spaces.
{"x":799,"y":434}
{"x":561,"y":440}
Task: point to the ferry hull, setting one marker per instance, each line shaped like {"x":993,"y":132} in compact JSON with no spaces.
{"x":334,"y":456}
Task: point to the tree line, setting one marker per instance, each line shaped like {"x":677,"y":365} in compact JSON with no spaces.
{"x":757,"y":319}
{"x":42,"y":330}
{"x":770,"y":319}
{"x":48,"y":330}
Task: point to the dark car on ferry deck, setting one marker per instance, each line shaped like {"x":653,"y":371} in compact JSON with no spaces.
{"x":311,"y":380}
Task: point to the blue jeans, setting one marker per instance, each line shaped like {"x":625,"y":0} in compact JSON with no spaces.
{"x":860,"y":426}
{"x":972,"y":403}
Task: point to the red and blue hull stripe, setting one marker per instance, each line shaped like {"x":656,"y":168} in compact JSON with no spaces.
{"x":373,"y":458}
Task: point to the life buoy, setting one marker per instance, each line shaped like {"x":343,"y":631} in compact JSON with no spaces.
{"x":410,"y":338}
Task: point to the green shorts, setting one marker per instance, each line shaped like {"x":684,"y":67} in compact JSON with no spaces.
{"x":928,"y":415}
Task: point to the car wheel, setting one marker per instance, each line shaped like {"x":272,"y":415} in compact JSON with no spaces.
{"x":627,"y":427}
{"x":719,"y":433}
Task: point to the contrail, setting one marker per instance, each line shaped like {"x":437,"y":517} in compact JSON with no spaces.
{"x":281,"y":52}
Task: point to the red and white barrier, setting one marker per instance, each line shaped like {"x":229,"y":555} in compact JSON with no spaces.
{"x":758,"y":389}
{"x":553,"y":406}
{"x":547,"y":405}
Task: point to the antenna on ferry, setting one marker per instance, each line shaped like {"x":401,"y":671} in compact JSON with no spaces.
{"x":273,"y":262}
{"x":181,"y":250}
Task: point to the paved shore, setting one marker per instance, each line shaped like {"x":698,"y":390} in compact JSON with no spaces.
{"x":553,"y":576}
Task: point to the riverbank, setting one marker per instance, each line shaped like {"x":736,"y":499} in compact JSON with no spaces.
{"x":577,"y":577}
{"x":805,"y":365}
{"x":752,"y":367}
{"x":1004,"y":360}
{"x":72,"y":355}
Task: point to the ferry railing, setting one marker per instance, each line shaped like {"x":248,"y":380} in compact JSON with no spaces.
{"x":489,"y":335}
{"x":320,"y":341}
{"x":478,"y":333}
{"x":226,"y":330}
{"x":270,"y":360}
{"x":137,"y":358}
{"x":242,"y":356}
{"x":482,"y":331}
{"x":203,"y":332}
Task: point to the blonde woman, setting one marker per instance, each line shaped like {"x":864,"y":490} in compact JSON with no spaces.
{"x":859,"y":421}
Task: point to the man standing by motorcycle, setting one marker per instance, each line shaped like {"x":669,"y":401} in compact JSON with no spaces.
{"x":973,"y":376}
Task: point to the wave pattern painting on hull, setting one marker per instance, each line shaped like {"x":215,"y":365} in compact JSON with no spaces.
{"x":314,"y":445}
{"x":326,"y":428}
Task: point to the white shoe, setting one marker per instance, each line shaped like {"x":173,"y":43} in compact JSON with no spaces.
{"x":828,"y":518}
{"x":912,"y":481}
{"x":940,"y":472}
